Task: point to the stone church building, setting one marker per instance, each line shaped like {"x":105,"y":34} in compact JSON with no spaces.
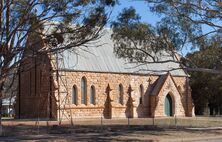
{"x":95,"y":83}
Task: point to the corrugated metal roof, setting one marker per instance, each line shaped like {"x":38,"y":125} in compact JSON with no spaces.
{"x":103,"y":59}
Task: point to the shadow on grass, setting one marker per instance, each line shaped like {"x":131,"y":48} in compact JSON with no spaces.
{"x":139,"y":130}
{"x":77,"y":133}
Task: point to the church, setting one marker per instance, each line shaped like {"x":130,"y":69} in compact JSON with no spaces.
{"x":94,"y":83}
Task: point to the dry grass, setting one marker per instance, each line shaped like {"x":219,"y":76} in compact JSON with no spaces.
{"x":164,"y":129}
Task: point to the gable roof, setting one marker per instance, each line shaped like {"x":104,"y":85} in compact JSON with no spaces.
{"x":160,"y":83}
{"x":103,"y":59}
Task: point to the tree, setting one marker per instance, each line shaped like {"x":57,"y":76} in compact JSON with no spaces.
{"x":80,"y":21}
{"x":199,"y":24}
{"x":191,"y":17}
{"x":206,"y":88}
{"x":180,"y":26}
{"x":141,"y":42}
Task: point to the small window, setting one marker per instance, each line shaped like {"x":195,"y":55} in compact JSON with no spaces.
{"x":83,"y":91}
{"x":74,"y":95}
{"x":92,"y":95}
{"x":120,"y":96}
{"x":141,"y":94}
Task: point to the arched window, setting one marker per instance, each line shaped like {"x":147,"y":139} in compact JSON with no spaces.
{"x":168,"y":105}
{"x":141,"y":94}
{"x":120,"y":97}
{"x":83,"y":91}
{"x":92,"y":95}
{"x":74,"y":95}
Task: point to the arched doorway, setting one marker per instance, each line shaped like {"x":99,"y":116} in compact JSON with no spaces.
{"x":168,"y":106}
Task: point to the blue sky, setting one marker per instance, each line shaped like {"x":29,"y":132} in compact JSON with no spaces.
{"x":146,"y":16}
{"x":141,"y":8}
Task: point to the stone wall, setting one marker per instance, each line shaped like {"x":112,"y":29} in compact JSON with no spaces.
{"x":113,"y":109}
{"x":170,"y":88}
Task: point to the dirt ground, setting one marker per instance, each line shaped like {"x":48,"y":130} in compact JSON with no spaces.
{"x":149,"y":130}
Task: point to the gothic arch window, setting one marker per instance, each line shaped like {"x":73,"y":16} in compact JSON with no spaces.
{"x":141,"y":94}
{"x":74,"y":95}
{"x":83,"y":91}
{"x":92,"y":95}
{"x":120,"y":95}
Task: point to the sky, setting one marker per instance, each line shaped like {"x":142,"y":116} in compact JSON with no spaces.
{"x":146,"y":16}
{"x":141,"y":8}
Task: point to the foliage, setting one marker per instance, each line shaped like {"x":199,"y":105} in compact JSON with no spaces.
{"x":206,"y":88}
{"x":190,"y":17}
{"x":197,"y":22}
{"x":138,"y":41}
{"x":54,"y":20}
{"x":183,"y":26}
